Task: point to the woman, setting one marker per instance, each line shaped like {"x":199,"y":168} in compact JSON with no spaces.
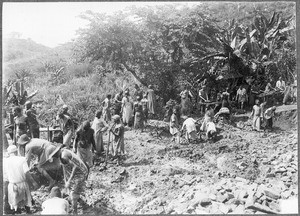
{"x":127,"y":109}
{"x":67,"y":127}
{"x":106,"y":108}
{"x":118,"y":141}
{"x":151,"y":100}
{"x":145,"y":107}
{"x":185,"y":101}
{"x":138,"y":114}
{"x":99,"y":126}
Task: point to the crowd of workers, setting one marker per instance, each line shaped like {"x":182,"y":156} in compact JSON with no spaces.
{"x":73,"y":150}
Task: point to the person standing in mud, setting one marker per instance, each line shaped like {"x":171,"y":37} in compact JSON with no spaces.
{"x":203,"y":99}
{"x":138,"y":114}
{"x":268,"y":115}
{"x":151,"y":101}
{"x":145,"y":108}
{"x":33,"y":123}
{"x":118,"y":140}
{"x":241,"y":96}
{"x":99,"y":126}
{"x":256,"y":116}
{"x":21,"y":124}
{"x":117,"y":103}
{"x":76,"y":172}
{"x":44,"y":151}
{"x":84,"y":143}
{"x":67,"y":127}
{"x":138,"y":92}
{"x":127,"y":108}
{"x":106,"y":108}
{"x":186,"y":97}
{"x":174,"y":126}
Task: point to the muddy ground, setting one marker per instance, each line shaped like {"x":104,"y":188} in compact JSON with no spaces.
{"x":242,"y":172}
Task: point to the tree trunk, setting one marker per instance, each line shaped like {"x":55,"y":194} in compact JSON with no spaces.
{"x":134,"y":74}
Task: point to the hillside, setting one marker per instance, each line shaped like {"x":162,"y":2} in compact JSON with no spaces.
{"x":19,"y":54}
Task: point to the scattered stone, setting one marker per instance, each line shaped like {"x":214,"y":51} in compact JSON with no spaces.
{"x":205,"y":202}
{"x":274,"y":206}
{"x":286,"y":194}
{"x":270,"y":175}
{"x":241,"y":179}
{"x":240,"y":209}
{"x":261,"y":208}
{"x":224,"y":208}
{"x":272,"y":193}
{"x":222,"y":198}
{"x":213,"y":197}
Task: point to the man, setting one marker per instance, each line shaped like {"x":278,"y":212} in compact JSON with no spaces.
{"x":84,"y":143}
{"x":241,"y":96}
{"x":16,"y":173}
{"x":65,"y":110}
{"x":33,"y":123}
{"x":56,"y":204}
{"x":280,"y":84}
{"x":76,"y":172}
{"x":106,"y":108}
{"x":138,"y":92}
{"x":191,"y":131}
{"x":203,"y":98}
{"x":256,"y":116}
{"x":67,"y":126}
{"x":174,"y":126}
{"x":21,"y":123}
{"x":44,"y":150}
{"x":268,"y":115}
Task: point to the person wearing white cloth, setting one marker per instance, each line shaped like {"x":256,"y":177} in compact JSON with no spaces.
{"x":280,"y":84}
{"x":191,"y":131}
{"x":16,"y":173}
{"x":55,"y":205}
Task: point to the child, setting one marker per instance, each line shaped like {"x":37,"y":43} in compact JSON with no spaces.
{"x":174,"y":126}
{"x":256,"y":116}
{"x":56,"y":204}
{"x":269,"y":114}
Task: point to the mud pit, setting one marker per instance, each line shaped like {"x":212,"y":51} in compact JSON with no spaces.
{"x":243,"y":172}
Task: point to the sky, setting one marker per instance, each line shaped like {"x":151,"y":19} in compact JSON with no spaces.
{"x":53,"y":23}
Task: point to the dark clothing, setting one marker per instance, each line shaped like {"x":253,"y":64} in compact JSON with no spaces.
{"x":33,"y":123}
{"x":85,"y":138}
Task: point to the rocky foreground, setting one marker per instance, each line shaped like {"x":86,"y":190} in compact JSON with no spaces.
{"x":243,"y":172}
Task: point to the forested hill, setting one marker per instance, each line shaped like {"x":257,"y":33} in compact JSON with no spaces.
{"x":15,"y":49}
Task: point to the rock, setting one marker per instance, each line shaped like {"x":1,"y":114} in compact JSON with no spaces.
{"x":213,"y":197}
{"x":261,"y":208}
{"x":222,"y":198}
{"x":241,"y":179}
{"x":272,"y":193}
{"x":281,"y":170}
{"x":270,"y":175}
{"x":285,"y":178}
{"x":243,"y":194}
{"x":230,"y":196}
{"x":240,"y":209}
{"x":205,"y":202}
{"x":274,"y":206}
{"x":200,"y":210}
{"x":224,"y":208}
{"x":286,"y":194}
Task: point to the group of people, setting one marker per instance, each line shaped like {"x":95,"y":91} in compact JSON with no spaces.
{"x":73,"y":150}
{"x":242,"y":96}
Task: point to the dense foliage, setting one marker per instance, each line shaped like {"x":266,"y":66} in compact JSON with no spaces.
{"x":169,"y":46}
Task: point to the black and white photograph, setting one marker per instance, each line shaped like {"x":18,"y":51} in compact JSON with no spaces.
{"x":149,"y":107}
